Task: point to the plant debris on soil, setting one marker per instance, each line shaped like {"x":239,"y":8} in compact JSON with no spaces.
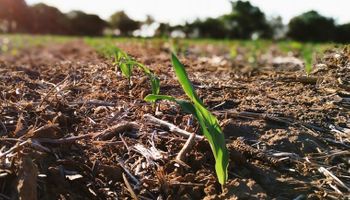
{"x":72,"y":128}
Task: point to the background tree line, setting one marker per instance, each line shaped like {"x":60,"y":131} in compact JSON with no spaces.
{"x":245,"y":21}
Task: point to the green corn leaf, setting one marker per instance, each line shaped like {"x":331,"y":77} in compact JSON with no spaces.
{"x":126,"y":65}
{"x":120,"y":54}
{"x":152,"y":98}
{"x":126,"y":69}
{"x":308,"y":63}
{"x":143,"y":67}
{"x":186,"y":106}
{"x":184,"y":80}
{"x":155,"y":84}
{"x":209,"y":123}
{"x":121,"y":59}
{"x":209,"y":131}
{"x":212,"y":131}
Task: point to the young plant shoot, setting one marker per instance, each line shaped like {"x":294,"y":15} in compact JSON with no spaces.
{"x":208,"y":122}
{"x":126,"y":65}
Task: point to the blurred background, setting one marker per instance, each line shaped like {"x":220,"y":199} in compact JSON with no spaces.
{"x":221,"y":20}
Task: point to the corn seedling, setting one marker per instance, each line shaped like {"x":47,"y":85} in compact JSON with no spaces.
{"x":308,"y":64}
{"x":126,"y":65}
{"x":155,"y":83}
{"x":123,"y":61}
{"x":208,"y":122}
{"x":307,"y":54}
{"x":234,"y":52}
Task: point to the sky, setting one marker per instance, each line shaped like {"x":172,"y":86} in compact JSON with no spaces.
{"x":180,"y":11}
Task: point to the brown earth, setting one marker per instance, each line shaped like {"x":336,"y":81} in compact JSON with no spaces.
{"x":71,"y":128}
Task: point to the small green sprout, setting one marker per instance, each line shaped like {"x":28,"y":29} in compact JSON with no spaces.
{"x":123,"y":61}
{"x":234,"y":52}
{"x":126,"y":65}
{"x":308,"y":65}
{"x":155,"y":83}
{"x":207,"y":121}
{"x":307,"y":54}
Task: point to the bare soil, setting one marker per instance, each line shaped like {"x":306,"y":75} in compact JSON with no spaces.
{"x":72,"y":128}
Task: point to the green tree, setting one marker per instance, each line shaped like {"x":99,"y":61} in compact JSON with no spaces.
{"x":86,"y":24}
{"x":163,"y":30}
{"x":208,"y":28}
{"x":246,"y":20}
{"x":278,"y":29}
{"x":121,"y":21}
{"x":15,"y":15}
{"x":343,"y":33}
{"x":311,"y":26}
{"x":149,"y":20}
{"x":49,"y":20}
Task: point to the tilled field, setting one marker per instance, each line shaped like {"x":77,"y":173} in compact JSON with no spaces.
{"x":72,"y":128}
